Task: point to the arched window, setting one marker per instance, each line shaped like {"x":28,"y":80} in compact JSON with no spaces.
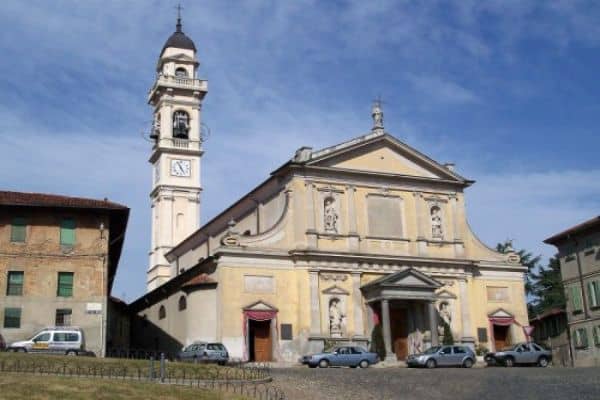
{"x":181,"y":124}
{"x":162,"y":313}
{"x":181,"y":72}
{"x":182,"y":303}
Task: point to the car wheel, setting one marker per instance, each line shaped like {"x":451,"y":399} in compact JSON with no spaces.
{"x":431,"y":363}
{"x":509,"y":362}
{"x":71,"y":353}
{"x":21,"y":350}
{"x":543,"y":362}
{"x":323,"y":364}
{"x":363,"y":364}
{"x":468,"y":363}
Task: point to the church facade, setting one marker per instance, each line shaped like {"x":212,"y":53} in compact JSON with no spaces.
{"x":334,"y":242}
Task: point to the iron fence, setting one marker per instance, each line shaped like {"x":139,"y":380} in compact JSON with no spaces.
{"x":250,"y":380}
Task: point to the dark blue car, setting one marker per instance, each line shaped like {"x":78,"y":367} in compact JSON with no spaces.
{"x":344,"y":356}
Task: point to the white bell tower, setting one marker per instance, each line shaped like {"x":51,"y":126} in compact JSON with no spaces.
{"x":176,"y":97}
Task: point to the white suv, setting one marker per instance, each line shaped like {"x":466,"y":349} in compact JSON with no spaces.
{"x":61,"y":340}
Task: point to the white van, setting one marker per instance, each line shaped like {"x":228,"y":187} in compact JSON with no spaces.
{"x":59,"y":340}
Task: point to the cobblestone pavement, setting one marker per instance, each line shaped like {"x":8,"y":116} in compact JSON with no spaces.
{"x":449,"y":383}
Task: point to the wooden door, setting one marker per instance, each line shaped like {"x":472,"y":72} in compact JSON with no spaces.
{"x":398,"y":322}
{"x":262,"y":340}
{"x":500,"y":337}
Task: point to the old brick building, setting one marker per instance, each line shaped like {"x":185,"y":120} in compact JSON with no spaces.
{"x":58,"y":260}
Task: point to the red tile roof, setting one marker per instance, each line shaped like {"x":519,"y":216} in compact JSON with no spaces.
{"x":201,"y":279}
{"x":52,"y":200}
{"x":593,"y":223}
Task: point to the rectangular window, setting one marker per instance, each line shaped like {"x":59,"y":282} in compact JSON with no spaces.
{"x":482,"y":335}
{"x":63,"y":317}
{"x":286,"y":332}
{"x":593,"y":289}
{"x":67,"y":232}
{"x":65,"y":284}
{"x":18,"y":230}
{"x":576,"y":300}
{"x":597,"y":336}
{"x":497,"y":293}
{"x":581,"y":340}
{"x":14,"y":285}
{"x":12,"y":317}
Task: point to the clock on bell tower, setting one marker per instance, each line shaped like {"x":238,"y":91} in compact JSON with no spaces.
{"x":176,"y":97}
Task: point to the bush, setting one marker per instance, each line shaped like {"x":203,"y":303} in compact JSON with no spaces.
{"x":448,"y":339}
{"x":377,"y":344}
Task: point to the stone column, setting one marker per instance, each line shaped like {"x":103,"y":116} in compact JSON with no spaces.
{"x":315,"y":307}
{"x":311,"y":231}
{"x":464,"y":313}
{"x":387,"y":329}
{"x":359,"y":327}
{"x":433,"y":323}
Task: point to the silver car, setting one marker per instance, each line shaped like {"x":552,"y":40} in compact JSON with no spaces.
{"x":521,"y":353}
{"x":443,"y":356}
{"x":344,"y":356}
{"x":204,"y":352}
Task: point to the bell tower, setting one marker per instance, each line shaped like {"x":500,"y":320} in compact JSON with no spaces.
{"x":176,"y":98}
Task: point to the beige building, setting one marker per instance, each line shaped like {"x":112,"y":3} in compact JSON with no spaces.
{"x":579,"y":256}
{"x":58,"y":259}
{"x":334,"y":241}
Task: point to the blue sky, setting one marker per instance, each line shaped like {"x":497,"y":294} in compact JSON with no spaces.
{"x":508,"y":90}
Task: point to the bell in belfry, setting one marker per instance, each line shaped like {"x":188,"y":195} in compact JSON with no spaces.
{"x":181,"y":125}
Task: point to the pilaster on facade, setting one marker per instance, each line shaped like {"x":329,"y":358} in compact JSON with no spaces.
{"x":357,"y":305}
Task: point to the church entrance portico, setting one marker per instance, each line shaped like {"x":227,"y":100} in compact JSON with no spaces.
{"x":260,"y":332}
{"x":404,"y":304}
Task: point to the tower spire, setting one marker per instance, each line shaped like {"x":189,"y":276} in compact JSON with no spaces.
{"x":178,"y":26}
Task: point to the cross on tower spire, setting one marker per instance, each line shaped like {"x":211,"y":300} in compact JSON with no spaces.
{"x":179,"y":8}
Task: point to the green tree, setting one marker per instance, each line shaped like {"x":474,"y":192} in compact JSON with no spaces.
{"x":448,"y":339}
{"x":547,"y":288}
{"x":377,"y":344}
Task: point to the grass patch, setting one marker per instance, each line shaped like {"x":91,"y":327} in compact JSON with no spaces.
{"x":24,"y":386}
{"x":115,"y":367}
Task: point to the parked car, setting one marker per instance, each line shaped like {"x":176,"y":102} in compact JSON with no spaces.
{"x":59,"y":340}
{"x":520,"y":353}
{"x":443,"y":356}
{"x":204,"y":352}
{"x":344,"y":356}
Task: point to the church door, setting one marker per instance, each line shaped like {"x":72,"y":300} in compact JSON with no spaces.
{"x":260,"y":340}
{"x":500,"y":336}
{"x":398,"y":322}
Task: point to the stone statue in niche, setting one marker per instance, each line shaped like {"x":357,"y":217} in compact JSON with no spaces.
{"x":336,"y":317}
{"x":415,"y":342}
{"x":330,"y":216}
{"x":436,"y":223}
{"x":445,"y":316}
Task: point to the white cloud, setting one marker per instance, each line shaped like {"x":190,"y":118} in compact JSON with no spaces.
{"x":436,"y":89}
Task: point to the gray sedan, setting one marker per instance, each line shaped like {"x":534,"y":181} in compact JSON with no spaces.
{"x":443,"y":356}
{"x":345,"y":356}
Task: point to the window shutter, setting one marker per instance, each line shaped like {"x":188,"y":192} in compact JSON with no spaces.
{"x":18,"y":229}
{"x":597,"y":335}
{"x":591,"y":292}
{"x":65,"y":284}
{"x":576,"y":295}
{"x":67,"y":232}
{"x":15,"y":283}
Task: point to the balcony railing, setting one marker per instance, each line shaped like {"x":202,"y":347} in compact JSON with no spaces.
{"x":180,"y":82}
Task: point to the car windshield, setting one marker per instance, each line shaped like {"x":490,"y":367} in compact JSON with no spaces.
{"x":508,"y":348}
{"x":432,"y":350}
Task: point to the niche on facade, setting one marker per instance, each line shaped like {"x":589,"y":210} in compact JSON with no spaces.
{"x":437,"y":225}
{"x":181,"y":124}
{"x":335,"y":311}
{"x":330,"y":210}
{"x":445,"y":308}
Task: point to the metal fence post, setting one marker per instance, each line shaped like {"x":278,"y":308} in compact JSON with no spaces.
{"x":162,"y":367}
{"x":151,"y":377}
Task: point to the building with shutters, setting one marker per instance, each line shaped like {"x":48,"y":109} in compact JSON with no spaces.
{"x":58,"y":259}
{"x":369,"y":231}
{"x":579,"y":257}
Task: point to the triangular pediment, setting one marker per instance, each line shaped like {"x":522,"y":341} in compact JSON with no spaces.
{"x":260,"y":306}
{"x":382,"y":154}
{"x":409,"y":277}
{"x":500,"y":313}
{"x":335,"y":290}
